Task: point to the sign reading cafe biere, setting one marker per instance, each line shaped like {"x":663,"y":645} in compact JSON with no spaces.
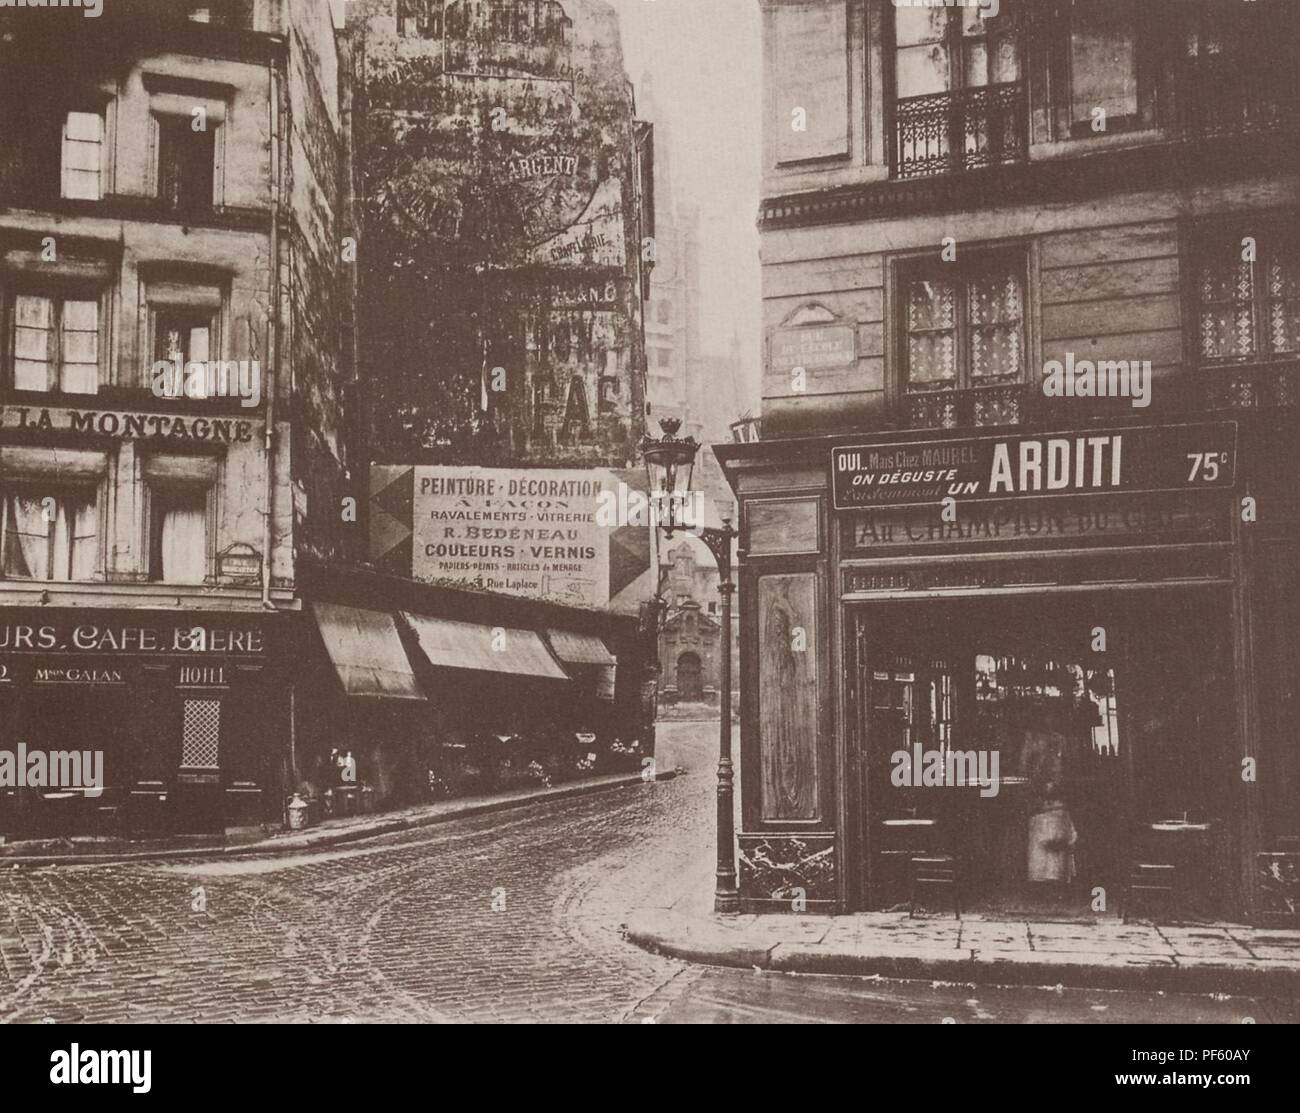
{"x":1089,"y":462}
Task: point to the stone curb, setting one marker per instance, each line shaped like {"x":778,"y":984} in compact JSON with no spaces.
{"x":294,"y":844}
{"x":710,"y":942}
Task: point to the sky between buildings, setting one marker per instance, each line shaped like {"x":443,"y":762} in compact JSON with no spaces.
{"x":704,"y":58}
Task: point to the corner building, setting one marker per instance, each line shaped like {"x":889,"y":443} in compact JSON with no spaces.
{"x":955,"y":204}
{"x":169,"y":191}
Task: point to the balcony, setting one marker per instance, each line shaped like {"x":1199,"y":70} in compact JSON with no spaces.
{"x":1260,"y":388}
{"x":1226,"y":99}
{"x":966,"y":129}
{"x":1005,"y":404}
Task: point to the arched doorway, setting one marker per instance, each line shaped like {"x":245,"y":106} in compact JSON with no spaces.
{"x":690,"y":681}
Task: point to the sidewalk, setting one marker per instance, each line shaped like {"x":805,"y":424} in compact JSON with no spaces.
{"x":1189,"y":958}
{"x":332,"y":832}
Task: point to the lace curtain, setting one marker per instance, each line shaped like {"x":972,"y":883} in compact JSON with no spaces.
{"x":184,"y":542}
{"x":50,"y":539}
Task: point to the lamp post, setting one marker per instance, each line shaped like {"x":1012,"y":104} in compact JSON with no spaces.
{"x":670,"y":463}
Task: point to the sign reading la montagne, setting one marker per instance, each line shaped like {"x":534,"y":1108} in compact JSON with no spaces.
{"x":1036,"y":465}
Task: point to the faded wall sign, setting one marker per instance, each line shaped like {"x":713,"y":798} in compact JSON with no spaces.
{"x":814,"y":348}
{"x":519,"y":531}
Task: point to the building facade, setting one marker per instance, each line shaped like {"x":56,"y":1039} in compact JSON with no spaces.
{"x":1026,"y":491}
{"x":503,"y":201}
{"x":171,"y":372}
{"x":690,"y":643}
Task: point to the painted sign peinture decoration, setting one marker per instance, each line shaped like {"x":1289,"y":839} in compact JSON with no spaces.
{"x":1036,"y":465}
{"x":519,"y":531}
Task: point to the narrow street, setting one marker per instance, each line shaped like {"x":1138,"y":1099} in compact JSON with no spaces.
{"x":508,"y":917}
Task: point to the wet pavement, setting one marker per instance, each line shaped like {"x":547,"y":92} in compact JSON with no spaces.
{"x":512,"y":916}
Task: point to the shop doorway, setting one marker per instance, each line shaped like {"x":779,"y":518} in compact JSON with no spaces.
{"x":1039,"y":746}
{"x":690,"y":678}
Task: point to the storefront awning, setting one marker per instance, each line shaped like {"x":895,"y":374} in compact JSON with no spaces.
{"x":580,"y":649}
{"x":451,"y":644}
{"x":366,"y":651}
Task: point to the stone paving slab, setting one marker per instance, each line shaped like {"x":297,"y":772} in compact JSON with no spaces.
{"x":1213,"y":958}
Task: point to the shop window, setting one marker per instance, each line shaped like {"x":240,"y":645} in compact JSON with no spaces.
{"x":963,"y":343}
{"x":83,"y":147}
{"x":1278,"y":608}
{"x":186,"y":161}
{"x":54,"y":344}
{"x":179,"y":534}
{"x":957,"y":79}
{"x":1102,"y":66}
{"x":201,"y":734}
{"x":48,"y":535}
{"x":1248,"y":294}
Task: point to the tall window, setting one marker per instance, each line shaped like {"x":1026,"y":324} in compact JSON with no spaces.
{"x":184,"y":335}
{"x":83,"y":144}
{"x":963,"y":330}
{"x":1103,"y":66}
{"x":1248,"y":300}
{"x":178,"y":535}
{"x":185,"y":164}
{"x":48,"y":535}
{"x":957,"y":80}
{"x":54,"y":345}
{"x":939,"y":49}
{"x":1233,"y":73}
{"x":420,"y":18}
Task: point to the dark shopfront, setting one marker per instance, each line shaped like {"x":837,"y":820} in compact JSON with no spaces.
{"x":1074,"y":706}
{"x":184,"y":716}
{"x":439,"y":692}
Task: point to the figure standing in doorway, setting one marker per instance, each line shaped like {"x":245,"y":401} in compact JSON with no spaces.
{"x":1052,"y":836}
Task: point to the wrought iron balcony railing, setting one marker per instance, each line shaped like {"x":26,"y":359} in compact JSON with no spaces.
{"x":1261,"y":386}
{"x":1243,"y":388}
{"x":978,"y":406}
{"x":960,"y":130}
{"x":1233,"y":99}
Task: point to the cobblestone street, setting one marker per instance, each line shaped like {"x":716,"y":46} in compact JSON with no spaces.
{"x":512,"y":916}
{"x":402,"y":928}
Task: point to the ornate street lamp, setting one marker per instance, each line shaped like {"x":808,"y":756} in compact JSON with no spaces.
{"x":670,"y":464}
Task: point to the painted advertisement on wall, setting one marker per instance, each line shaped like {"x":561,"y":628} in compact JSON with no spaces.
{"x":537,"y":533}
{"x":499,"y":164}
{"x":518,"y":531}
